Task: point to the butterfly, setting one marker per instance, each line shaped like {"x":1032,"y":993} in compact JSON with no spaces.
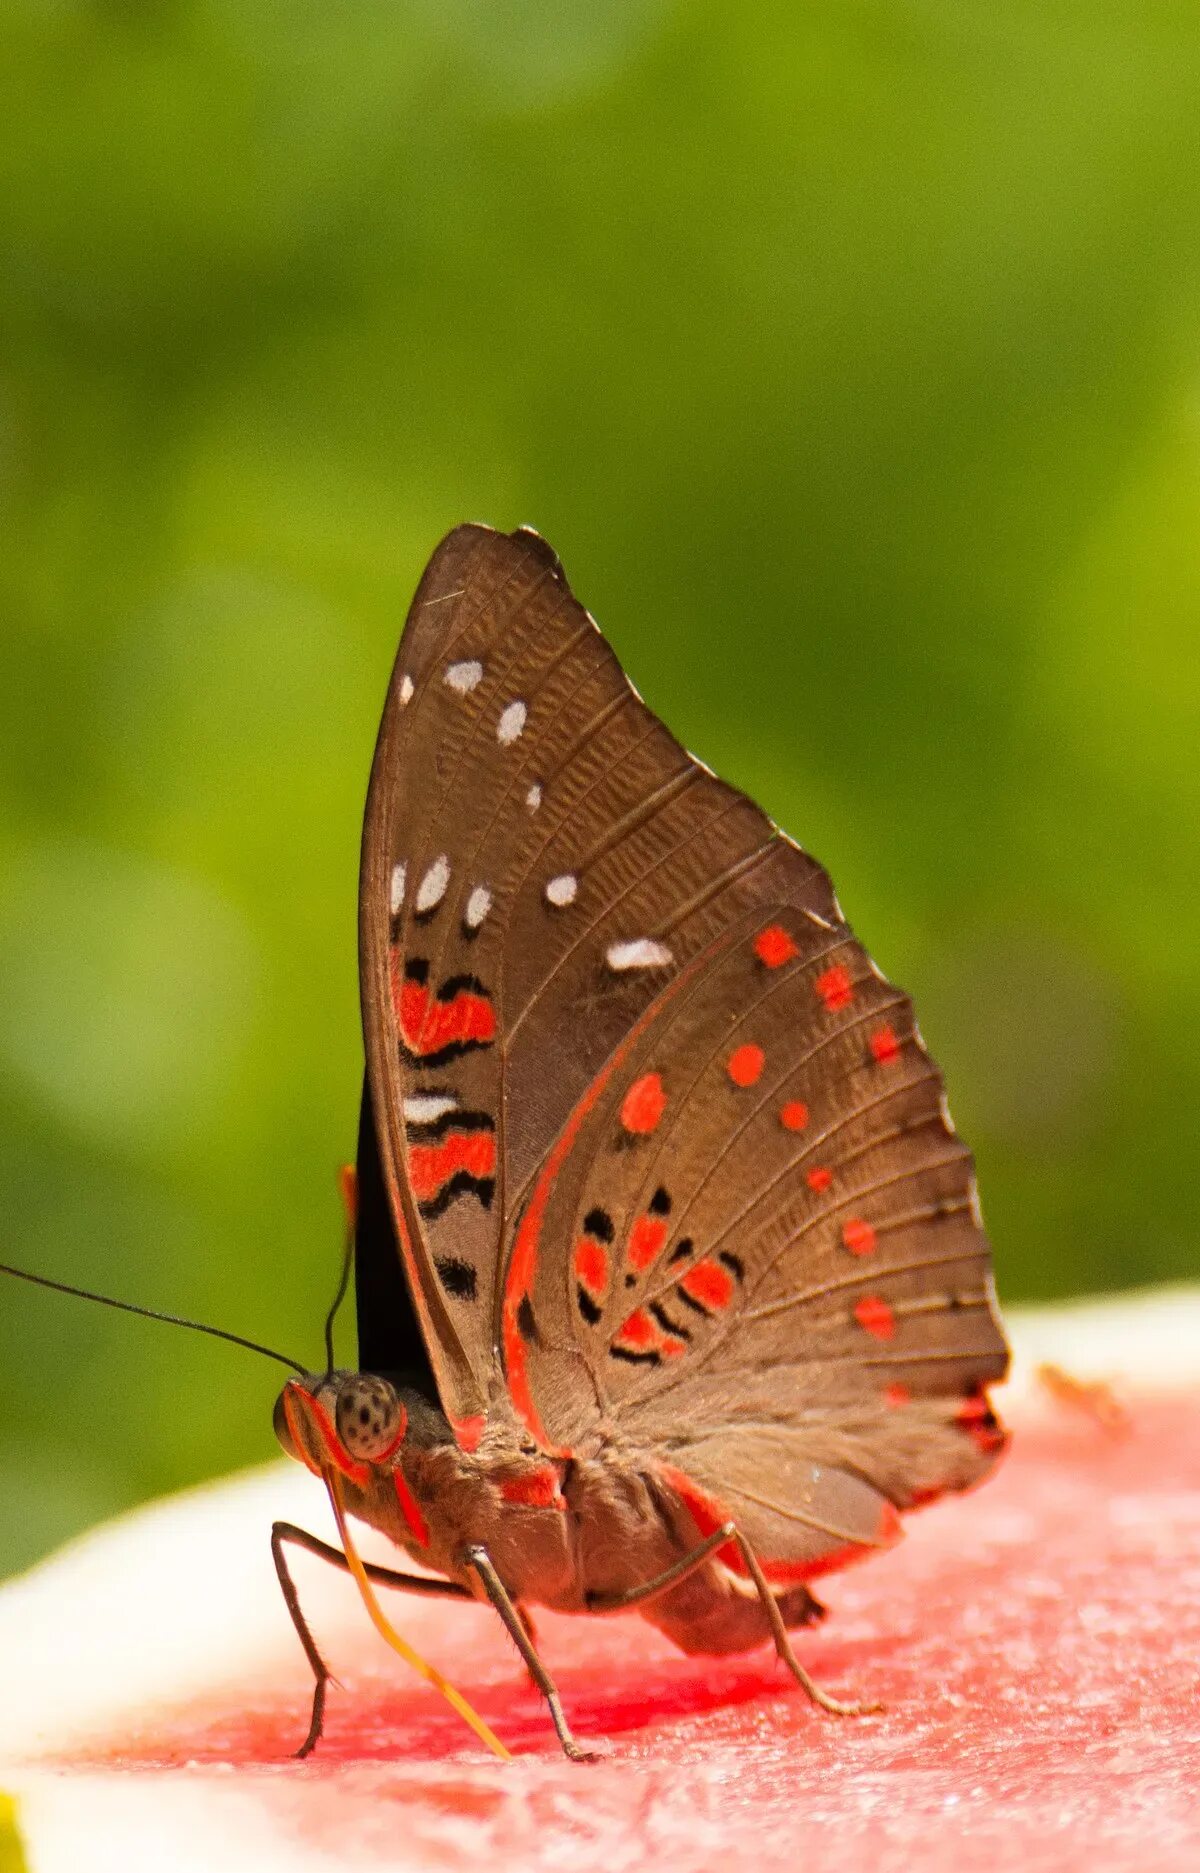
{"x":671,"y":1286}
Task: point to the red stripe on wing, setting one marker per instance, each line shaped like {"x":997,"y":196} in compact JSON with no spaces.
{"x":432,"y":1166}
{"x":428,"y":1024}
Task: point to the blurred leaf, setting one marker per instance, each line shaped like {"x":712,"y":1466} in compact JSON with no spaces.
{"x":849,"y":356}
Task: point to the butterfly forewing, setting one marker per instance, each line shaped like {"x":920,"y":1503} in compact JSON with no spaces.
{"x":664,"y":1149}
{"x":539,"y":856}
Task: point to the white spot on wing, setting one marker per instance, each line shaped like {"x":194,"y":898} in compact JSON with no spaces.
{"x":433,"y":885}
{"x":822,"y":923}
{"x":478,"y":905}
{"x":396,"y":889}
{"x":406,"y":690}
{"x":533,"y":799}
{"x":428,"y":1108}
{"x":561,"y":890}
{"x":464,"y":676}
{"x":511,"y":723}
{"x":639,"y":953}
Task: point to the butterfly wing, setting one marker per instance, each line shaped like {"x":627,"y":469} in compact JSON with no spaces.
{"x":539,"y":856}
{"x":649,"y":1121}
{"x":776,"y":1281}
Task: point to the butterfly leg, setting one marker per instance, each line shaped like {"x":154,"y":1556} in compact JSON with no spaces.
{"x":837,"y":1707}
{"x":526,"y":1618}
{"x":806,"y":1612}
{"x":283,"y":1532}
{"x":480,"y":1561}
{"x":670,"y":1576}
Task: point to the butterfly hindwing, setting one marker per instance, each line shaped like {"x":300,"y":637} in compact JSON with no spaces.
{"x":775,"y":1258}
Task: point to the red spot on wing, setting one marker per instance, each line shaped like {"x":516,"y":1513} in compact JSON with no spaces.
{"x":410,"y":1510}
{"x":819,"y":1178}
{"x":537,"y":1490}
{"x":794,"y":1116}
{"x":835,"y":987}
{"x":591,"y":1266}
{"x":709,"y":1284}
{"x":431,"y":1166}
{"x":885,"y":1046}
{"x":640,"y":1334}
{"x":774,"y":947}
{"x":859,"y":1237}
{"x":875,"y":1317}
{"x":644,"y":1104}
{"x":746,"y":1064}
{"x":428,"y":1024}
{"x":896,"y":1395}
{"x":646,"y":1239}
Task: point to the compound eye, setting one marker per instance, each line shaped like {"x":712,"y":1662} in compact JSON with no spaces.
{"x":370,"y":1417}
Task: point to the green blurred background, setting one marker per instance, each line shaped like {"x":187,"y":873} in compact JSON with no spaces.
{"x":849,"y":354}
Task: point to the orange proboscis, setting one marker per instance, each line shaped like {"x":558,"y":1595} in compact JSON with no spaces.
{"x":388,"y":1632}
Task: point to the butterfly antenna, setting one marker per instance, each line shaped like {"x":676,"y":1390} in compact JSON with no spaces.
{"x":150,"y":1313}
{"x":339,"y":1297}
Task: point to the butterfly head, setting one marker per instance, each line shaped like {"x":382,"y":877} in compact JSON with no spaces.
{"x":347,"y":1420}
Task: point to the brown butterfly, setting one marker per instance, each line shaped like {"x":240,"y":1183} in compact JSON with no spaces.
{"x":671,"y":1284}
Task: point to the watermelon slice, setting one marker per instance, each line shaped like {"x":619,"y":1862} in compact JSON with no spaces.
{"x":1037,"y":1646}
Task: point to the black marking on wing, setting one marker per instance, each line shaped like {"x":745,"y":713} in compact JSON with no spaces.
{"x":462,"y":984}
{"x":526,"y":1324}
{"x":462,"y":1183}
{"x":457,"y":1277}
{"x":666,"y":1323}
{"x":587,"y":1305}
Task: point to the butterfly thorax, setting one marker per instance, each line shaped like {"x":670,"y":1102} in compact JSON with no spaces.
{"x":562,"y":1532}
